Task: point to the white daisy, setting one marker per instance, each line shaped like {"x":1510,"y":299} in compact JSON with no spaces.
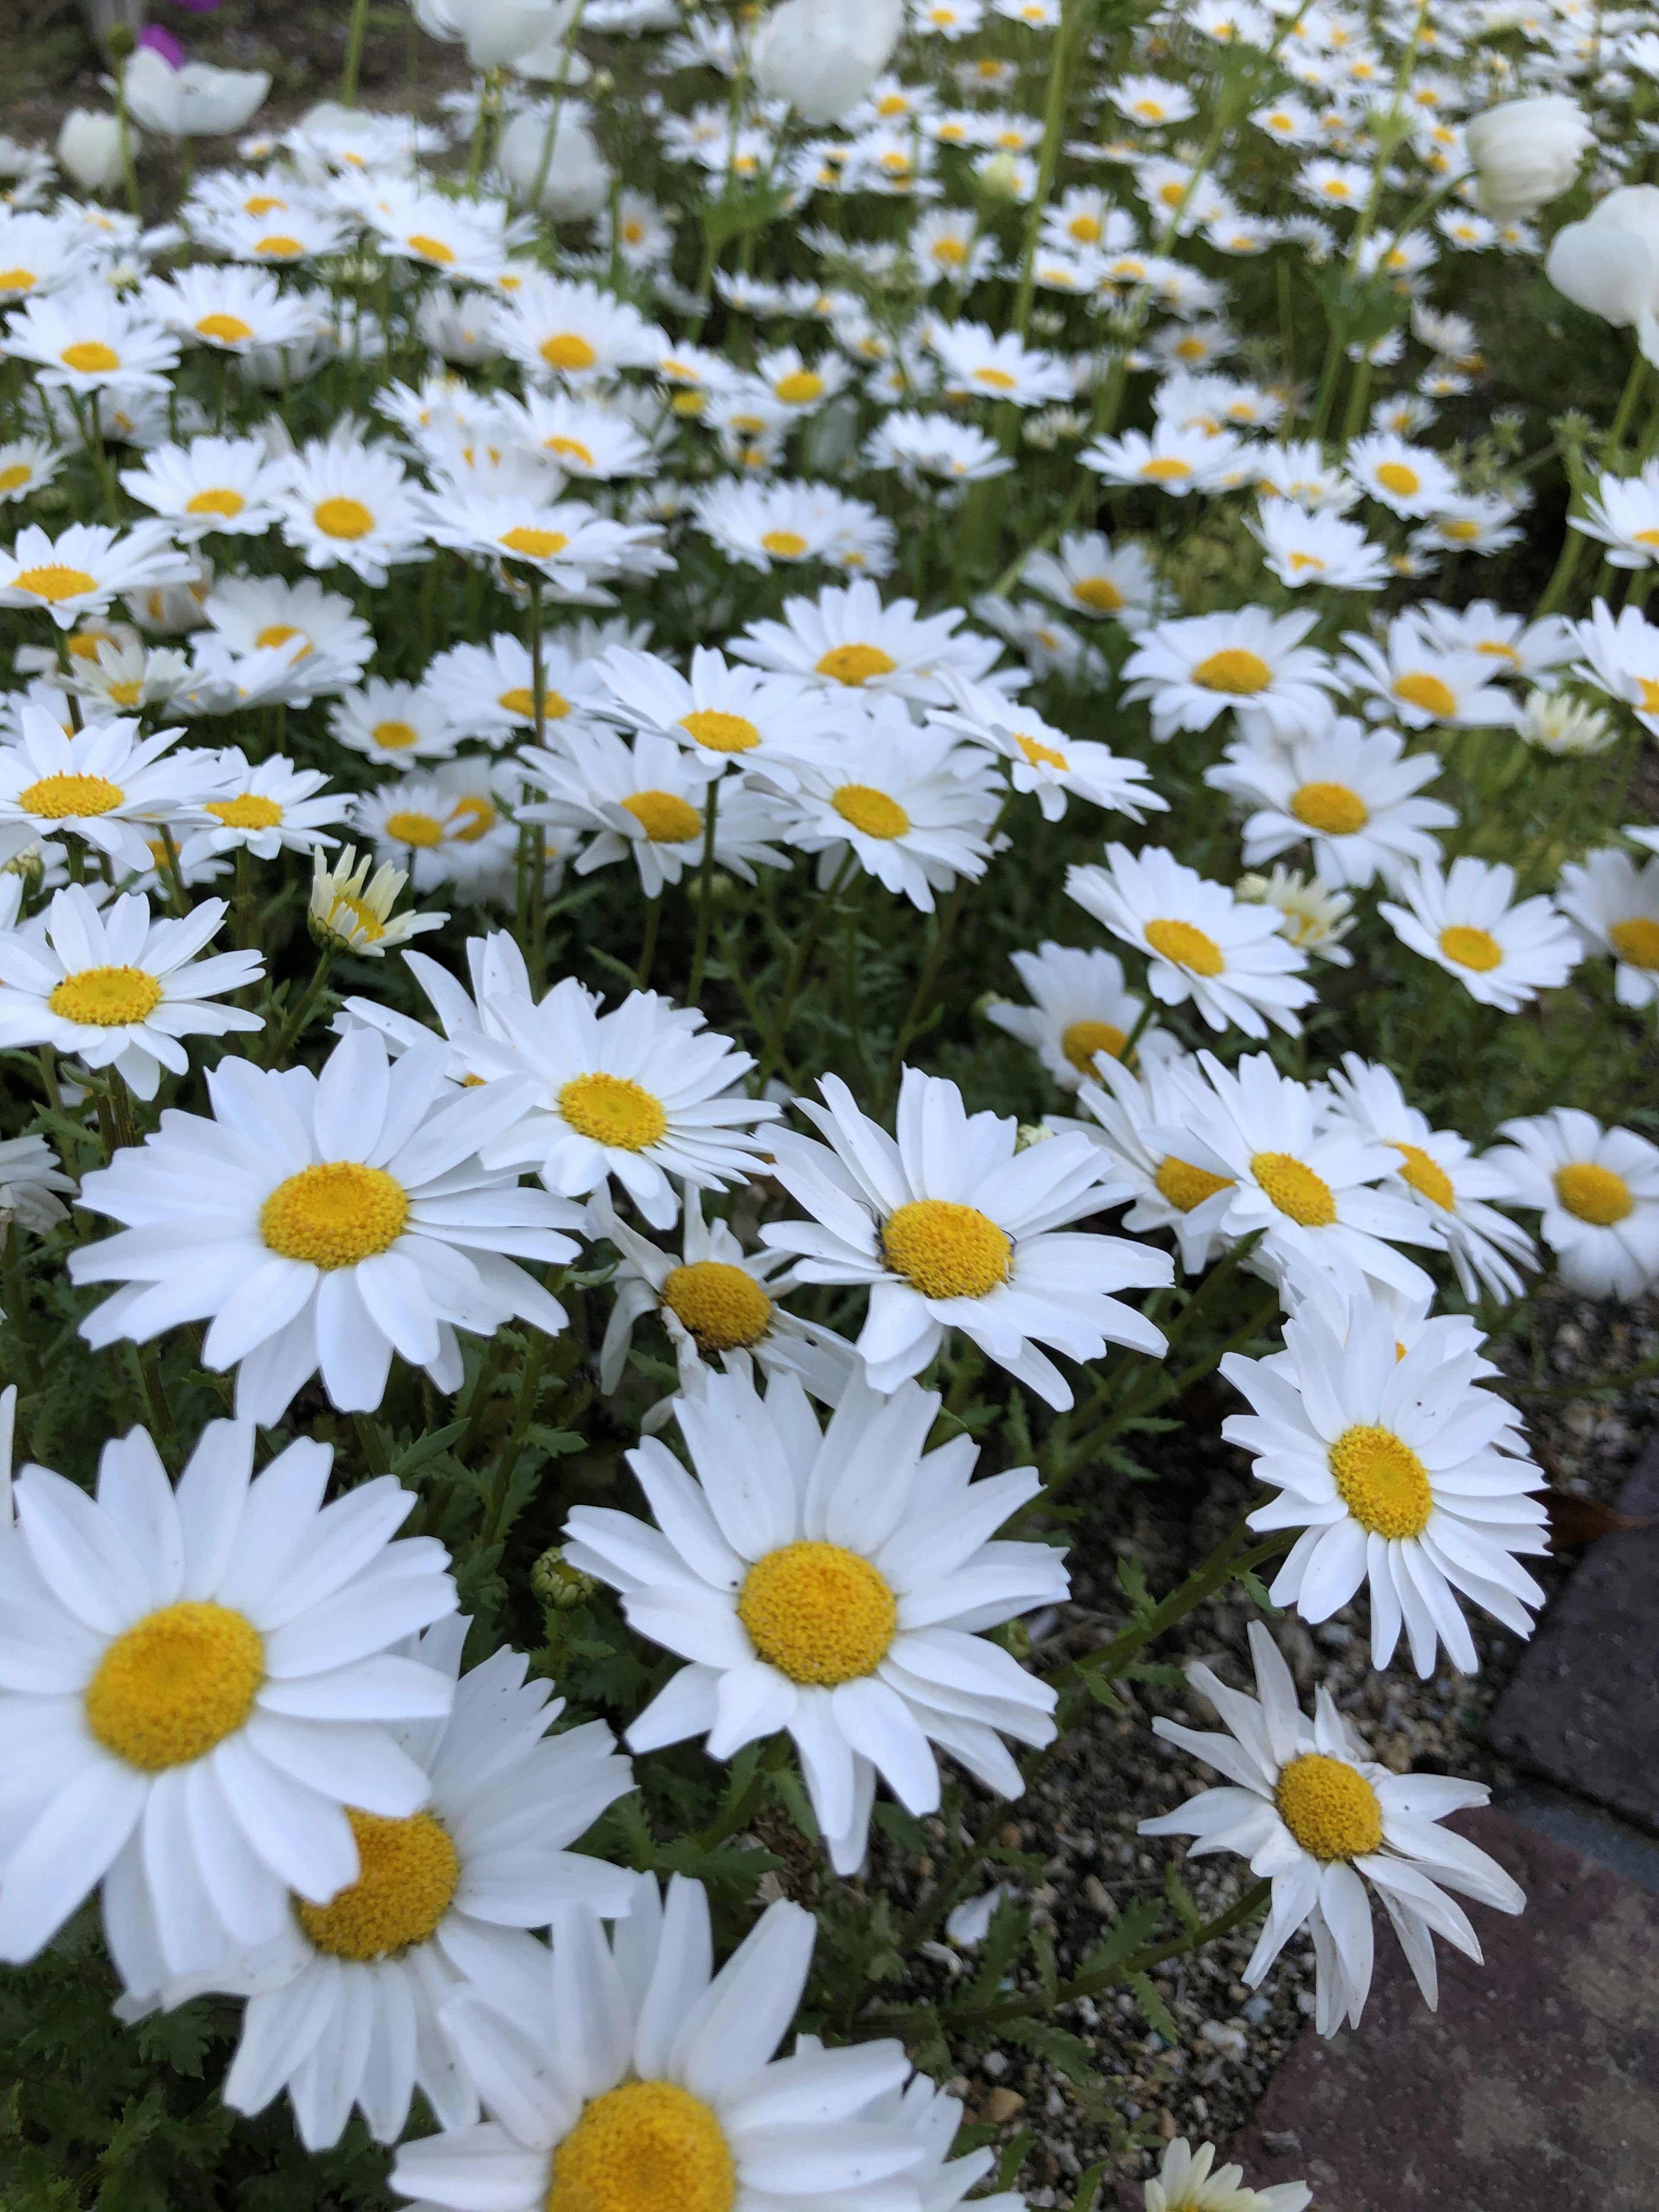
{"x":227,"y":307}
{"x":727,"y":714}
{"x":830,"y":1585}
{"x":351,"y":912}
{"x":347,"y":503}
{"x":330,"y":644}
{"x":983,"y":364}
{"x":575,"y":331}
{"x":1172,"y":460}
{"x":1132,"y":1120}
{"x":1350,"y":792}
{"x":1195,"y":668}
{"x":1419,"y":683}
{"x":1079,"y":1008}
{"x":1598,"y":1191}
{"x":27,"y":465}
{"x":1188,"y":2180}
{"x":86,"y":566}
{"x":1614,"y":906}
{"x":1044,"y":760}
{"x":1301,"y":548}
{"x":488,"y":691}
{"x":1086,"y":574}
{"x":269,"y":808}
{"x":104,"y":784}
{"x":84,"y":338}
{"x":1313,"y":916}
{"x":1408,"y":480}
{"x":847,"y":637}
{"x":30,"y":1180}
{"x":226,"y":485}
{"x":1464,"y":921}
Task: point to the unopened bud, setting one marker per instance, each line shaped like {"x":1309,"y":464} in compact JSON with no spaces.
{"x":560,"y":1586}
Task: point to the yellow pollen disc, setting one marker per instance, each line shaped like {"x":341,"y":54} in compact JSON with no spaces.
{"x":945,"y":1250}
{"x":856,"y":664}
{"x":720,"y":733}
{"x":1459,"y":530}
{"x":250,"y":811}
{"x":278,"y":246}
{"x":1594,"y":1193}
{"x":1081,"y":1040}
{"x":334,"y":1215}
{"x":430,"y":249}
{"x":343,"y":518}
{"x":1472,"y":948}
{"x":800,"y":388}
{"x":1426,"y":1176}
{"x":262,"y":204}
{"x":62,"y":798}
{"x":225,"y":503}
{"x":229,"y":330}
{"x":17,"y":280}
{"x":1636,"y":940}
{"x":394,"y":737}
{"x":1300,"y":560}
{"x":1099,"y":592}
{"x":1167,"y":470}
{"x":16,"y":477}
{"x":127,"y":695}
{"x":1185,"y":1185}
{"x":54,"y":583}
{"x":818,"y":1613}
{"x":411,"y":827}
{"x":1187,"y":947}
{"x":85,"y":647}
{"x":664,"y":816}
{"x":1191,"y":350}
{"x":1041,"y":756}
{"x":366,"y":919}
{"x":1395,"y":476}
{"x":1382,"y":1482}
{"x":950,"y":251}
{"x":1493,"y":651}
{"x":1329,"y":1807}
{"x":568,"y":350}
{"x":277,"y":633}
{"x":571,"y":449}
{"x":788,"y":544}
{"x":1331,"y":807}
{"x":473,"y":818}
{"x":870,"y":810}
{"x":1085,"y":229}
{"x":1234,"y":671}
{"x":408,"y":1872}
{"x":998,"y":379}
{"x":1648,"y":688}
{"x":1637,"y":537}
{"x":1294,"y":1188}
{"x":1419,"y":688}
{"x":91,"y":356}
{"x":538,"y":545}
{"x":1151,"y":111}
{"x":723,"y":1308}
{"x":613,"y":1110}
{"x":640,"y":2148}
{"x":175,"y":1684}
{"x":105,"y":997}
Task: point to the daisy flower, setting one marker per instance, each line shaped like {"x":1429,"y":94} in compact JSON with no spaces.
{"x":1623,"y":515}
{"x":120,"y":989}
{"x":1564,"y":728}
{"x":1313,"y":916}
{"x":797,"y":384}
{"x":716,"y":1302}
{"x":1188,"y":2180}
{"x":127,"y":674}
{"x":1203,"y":943}
{"x":27,"y":466}
{"x":1475,"y":524}
{"x":1195,"y":668}
{"x":980,"y":363}
{"x":341,"y":500}
{"x":642,"y":1093}
{"x":950,"y":1226}
{"x":727,"y":714}
{"x":1171,"y":460}
{"x":1517,"y":646}
{"x":82,"y":570}
{"x":324,"y":1222}
{"x":1299,"y":548}
{"x":488,"y":691}
{"x":566,"y":543}
{"x":29,"y":1183}
{"x":1408,"y":480}
{"x":553,"y":328}
{"x":1614,"y":906}
{"x":627,"y":2072}
{"x":1350,"y":793}
{"x":1088,"y":575}
{"x":830,"y":1585}
{"x":38,"y":252}
{"x":392,"y":724}
{"x":1417,"y":683}
{"x":1464,"y":920}
{"x":955,"y":454}
{"x":228,"y":308}
{"x":269,"y":808}
{"x":585,"y":441}
{"x":1079,"y":1008}
{"x":1400,"y":1470}
{"x":1133,"y":1121}
{"x":196,"y":1682}
{"x":847,"y":638}
{"x":226,"y":485}
{"x":1621,"y":657}
{"x":330,"y":643}
{"x":1044,"y":760}
{"x":104,"y":784}
{"x":84,"y":338}
{"x":344,"y":2008}
{"x":1320,"y":1819}
{"x":351,"y":912}
{"x":1598,"y":1191}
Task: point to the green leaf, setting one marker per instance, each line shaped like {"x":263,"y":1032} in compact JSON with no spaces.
{"x":1068,"y":2054}
{"x":1089,"y":2185}
{"x":426,"y":1448}
{"x":1048,"y":1972}
{"x":1255,"y":1589}
{"x":1131,"y":1580}
{"x":1182,"y":1898}
{"x":740,"y":1867}
{"x":785,"y":1785}
{"x":1158,"y":2015}
{"x":1013,"y":2158}
{"x":929,"y":2047}
{"x":730,"y":217}
{"x":1005,"y":1939}
{"x":1135,"y":1927}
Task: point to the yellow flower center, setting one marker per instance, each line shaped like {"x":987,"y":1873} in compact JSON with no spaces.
{"x":1647,"y":688}
{"x":1234,"y":671}
{"x":228,"y":330}
{"x":1472,"y":948}
{"x":1041,"y":756}
{"x":473,"y":817}
{"x":91,"y":356}
{"x":408,"y":1872}
{"x":870,"y":810}
{"x":818,"y":1613}
{"x":277,"y":245}
{"x":215,"y":501}
{"x":85,"y":647}
{"x":175,"y":1684}
{"x":720,"y":733}
{"x":343,"y":518}
{"x":788,"y":544}
{"x":1187,"y":947}
{"x":55,"y":583}
{"x":14,"y":477}
{"x":410,"y":827}
{"x":950,"y":251}
{"x":278,"y":634}
{"x":664,"y":816}
{"x":535,"y":544}
{"x":394,"y":737}
{"x":568,"y":350}
{"x":1294,"y":1188}
{"x":1636,"y":940}
{"x":1081,"y":1040}
{"x":1459,"y":529}
{"x":522,"y":701}
{"x":1166,"y":469}
{"x":1331,"y":807}
{"x":262,"y":204}
{"x":642,"y":2147}
{"x":613,"y":1110}
{"x":334,"y":1215}
{"x":1382,"y":1482}
{"x":1185,"y":1185}
{"x":998,"y":379}
{"x":250,"y":811}
{"x":800,"y":388}
{"x":1425,"y":1175}
{"x":856,"y":664}
{"x":62,"y":798}
{"x":1099,"y":592}
{"x":1594,"y":1193}
{"x":1395,"y":476}
{"x":127,"y":693}
{"x":17,"y":280}
{"x":1419,"y":688}
{"x":1329,"y":1807}
{"x":430,"y":249}
{"x":365,"y":923}
{"x":721,"y":1306}
{"x":105,"y":997}
{"x":945,"y":1250}
{"x":569,"y":449}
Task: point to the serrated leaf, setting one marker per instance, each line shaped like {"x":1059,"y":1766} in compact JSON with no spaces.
{"x":1135,"y":1927}
{"x":1068,"y":2054}
{"x":1182,"y":1898}
{"x":1158,"y":2015}
{"x":1005,"y":1939}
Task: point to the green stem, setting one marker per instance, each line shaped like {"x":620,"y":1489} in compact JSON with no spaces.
{"x":1071,"y":23}
{"x":302,"y":1014}
{"x":530,"y":1383}
{"x":552,"y":130}
{"x":648,"y":941}
{"x":354,"y":52}
{"x":1225,"y":1564}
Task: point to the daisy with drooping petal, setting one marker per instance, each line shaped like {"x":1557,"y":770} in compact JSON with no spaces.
{"x":1614,"y":906}
{"x":1313,"y":917}
{"x":951,"y":1227}
{"x":1623,"y":515}
{"x":269,"y":808}
{"x":27,"y":465}
{"x":1464,"y":920}
{"x":1250,"y":661}
{"x":324,"y":1222}
{"x":1188,"y":2180}
{"x":1171,"y":460}
{"x":983,"y":364}
{"x":30,"y":1180}
{"x":194,"y":1683}
{"x":85,"y":567}
{"x":229,"y":307}
{"x":344,"y":2008}
{"x":104,"y":784}
{"x":1228,"y":957}
{"x":585,"y":441}
{"x":1079,"y":1008}
{"x":1400,"y":1470}
{"x":487,"y":691}
{"x":1349,"y":792}
{"x":830,"y":1585}
{"x":1043,"y":760}
{"x":226,"y":485}
{"x":351,"y":912}
{"x":1313,"y":1814}
{"x":1301,"y":548}
{"x":575,"y":331}
{"x":1598,"y":1191}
